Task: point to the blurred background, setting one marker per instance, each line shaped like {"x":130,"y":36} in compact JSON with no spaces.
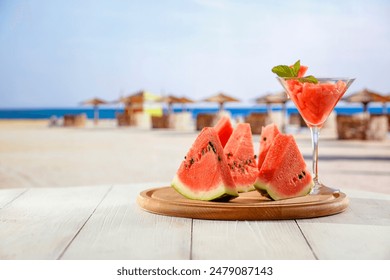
{"x":57,"y":53}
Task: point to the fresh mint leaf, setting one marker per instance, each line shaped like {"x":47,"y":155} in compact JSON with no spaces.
{"x":291,"y":72}
{"x":283,"y":71}
{"x":308,"y":79}
{"x":296,"y":67}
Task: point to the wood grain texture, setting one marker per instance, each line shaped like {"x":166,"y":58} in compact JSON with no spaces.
{"x":348,"y":241}
{"x":361,"y":232}
{"x":106,"y":223}
{"x":367,"y":195}
{"x":119,"y":229}
{"x":248,"y":240}
{"x":8,"y":195}
{"x":248,"y":206}
{"x":41,"y":223}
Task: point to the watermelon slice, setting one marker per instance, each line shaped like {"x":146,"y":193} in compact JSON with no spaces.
{"x":284,"y":170}
{"x":302,"y":70}
{"x":224,"y":129}
{"x":241,"y":158}
{"x":268,"y":134}
{"x":204,"y":174}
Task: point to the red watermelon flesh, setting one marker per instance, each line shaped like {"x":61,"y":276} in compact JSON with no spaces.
{"x":204,"y":174}
{"x":224,"y":129}
{"x":315,"y":101}
{"x":268,"y":134}
{"x":302,"y":70}
{"x":284,"y":170}
{"x":241,"y":158}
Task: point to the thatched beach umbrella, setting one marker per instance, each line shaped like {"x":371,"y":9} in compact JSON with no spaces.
{"x":135,"y":101}
{"x":139,"y":97}
{"x":365,"y":96}
{"x":221,"y":99}
{"x":275,"y":98}
{"x":185,"y":100}
{"x":95,"y":102}
{"x":170,"y":100}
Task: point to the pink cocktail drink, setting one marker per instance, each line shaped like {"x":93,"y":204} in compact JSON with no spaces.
{"x":315,"y":102}
{"x":315,"y":99}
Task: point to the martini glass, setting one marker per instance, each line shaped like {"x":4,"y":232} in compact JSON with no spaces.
{"x":315,"y":102}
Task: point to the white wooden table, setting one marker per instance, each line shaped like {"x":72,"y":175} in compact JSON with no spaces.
{"x":105,"y":222}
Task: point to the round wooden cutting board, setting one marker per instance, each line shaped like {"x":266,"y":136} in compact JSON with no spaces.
{"x":248,"y":206}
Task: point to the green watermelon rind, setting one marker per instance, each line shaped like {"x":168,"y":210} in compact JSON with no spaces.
{"x":260,"y":185}
{"x":245,"y":188}
{"x":266,"y":189}
{"x":276,"y":196}
{"x":220,"y":192}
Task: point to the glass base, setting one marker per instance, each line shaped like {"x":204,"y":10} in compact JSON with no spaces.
{"x":320,"y":188}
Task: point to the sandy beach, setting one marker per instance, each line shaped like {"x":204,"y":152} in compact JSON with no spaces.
{"x":33,"y":155}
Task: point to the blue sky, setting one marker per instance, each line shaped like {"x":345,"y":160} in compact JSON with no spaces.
{"x":58,"y":53}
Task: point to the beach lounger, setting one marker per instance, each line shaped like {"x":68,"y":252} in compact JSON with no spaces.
{"x":296,"y":119}
{"x":204,"y":120}
{"x":161,"y":121}
{"x":123,"y":119}
{"x":257,"y":121}
{"x":75,"y":120}
{"x":362,"y":127}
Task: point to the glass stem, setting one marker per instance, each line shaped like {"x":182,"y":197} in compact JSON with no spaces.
{"x":315,"y":134}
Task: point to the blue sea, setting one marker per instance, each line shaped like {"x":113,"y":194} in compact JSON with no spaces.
{"x":109,"y":113}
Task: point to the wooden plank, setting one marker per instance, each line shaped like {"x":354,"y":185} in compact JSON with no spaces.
{"x":367,"y":195}
{"x":348,"y":241}
{"x":119,"y":229}
{"x":41,"y":223}
{"x":248,"y":240}
{"x":9,"y":195}
{"x":361,"y":232}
